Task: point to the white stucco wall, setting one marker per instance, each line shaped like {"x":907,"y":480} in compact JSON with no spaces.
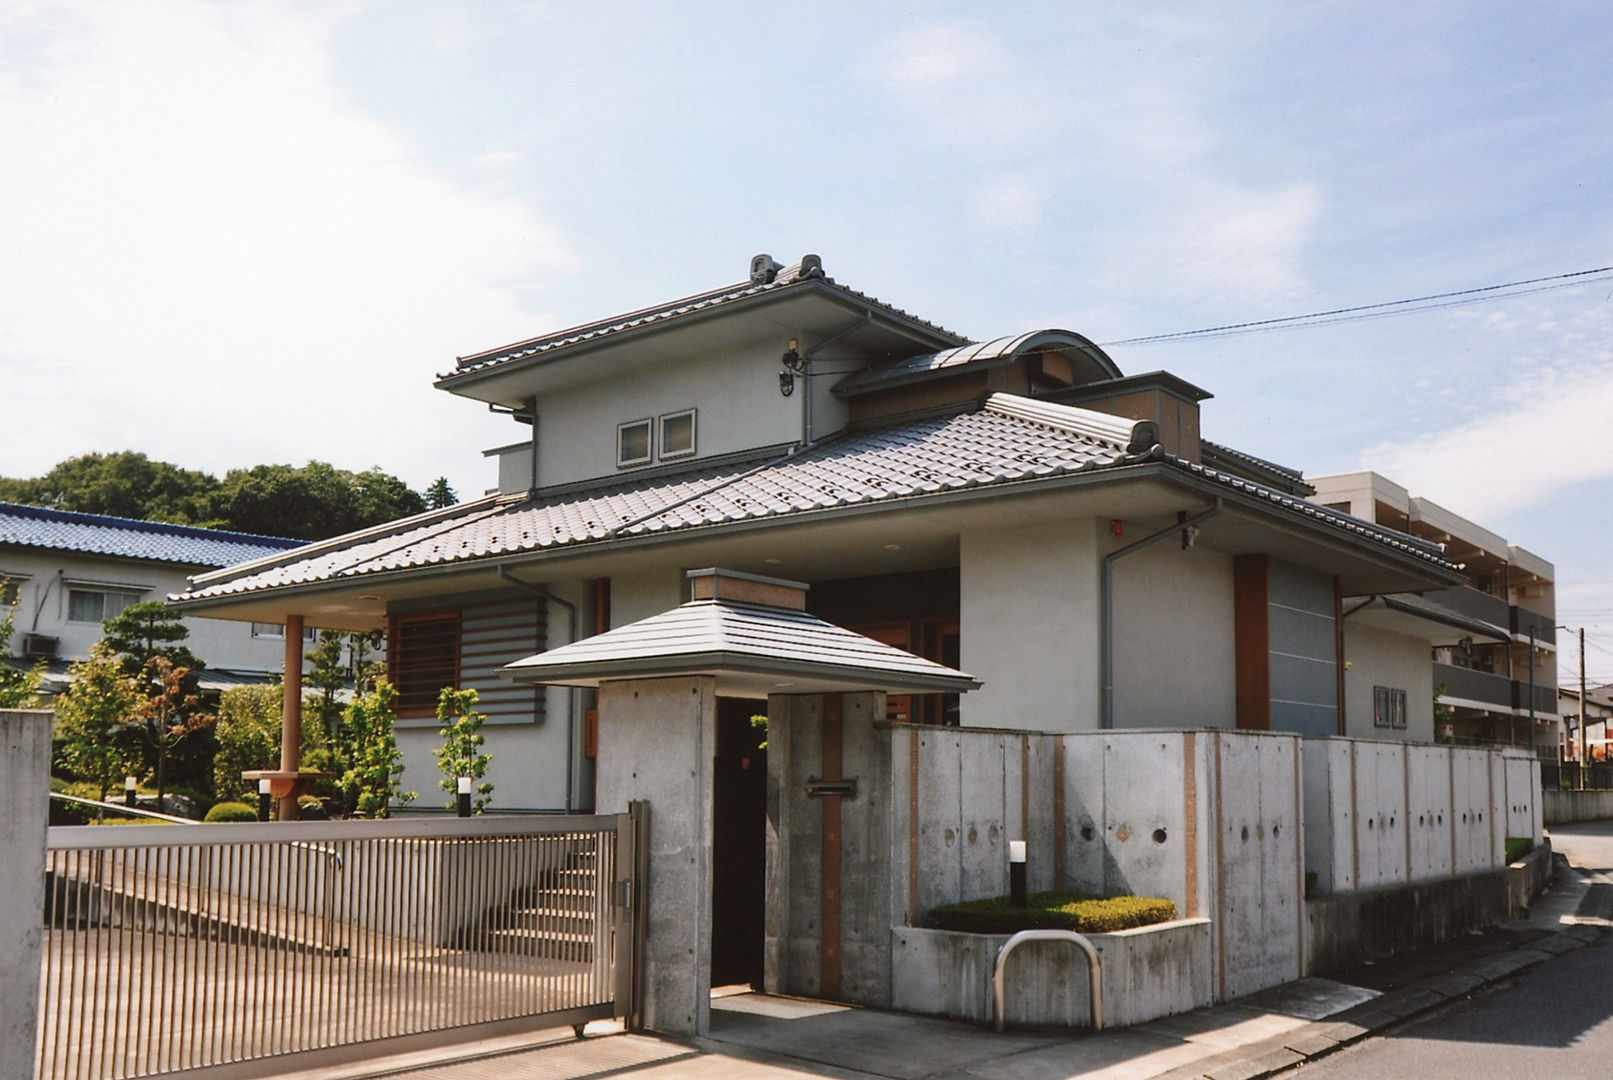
{"x":1175,"y":660}
{"x":42,"y":606}
{"x":1028,"y":599}
{"x":1376,"y":657}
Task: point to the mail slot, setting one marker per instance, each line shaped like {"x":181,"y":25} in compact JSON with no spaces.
{"x":844,"y":789}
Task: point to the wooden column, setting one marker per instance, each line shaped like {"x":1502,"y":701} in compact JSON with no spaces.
{"x":291,"y":716}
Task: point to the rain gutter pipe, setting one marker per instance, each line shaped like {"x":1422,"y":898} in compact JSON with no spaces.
{"x":1107,"y":612}
{"x":574,"y":698}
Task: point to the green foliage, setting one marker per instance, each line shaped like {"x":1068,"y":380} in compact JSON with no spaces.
{"x":338,"y":662}
{"x":248,"y":734}
{"x":440,"y":495}
{"x":373,"y":780}
{"x":168,"y":715}
{"x":461,"y":752}
{"x":231,"y":812}
{"x":1051,"y":911}
{"x":124,"y":484}
{"x":92,"y":721}
{"x":18,"y":689}
{"x":141,"y":632}
{"x":312,"y":502}
{"x":1518,"y":846}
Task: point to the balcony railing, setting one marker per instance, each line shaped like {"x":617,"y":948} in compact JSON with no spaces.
{"x":1473,"y":603}
{"x":1494,"y":691}
{"x":1522,"y":618}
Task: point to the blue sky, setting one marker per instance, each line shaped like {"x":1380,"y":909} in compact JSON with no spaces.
{"x":254,"y":232}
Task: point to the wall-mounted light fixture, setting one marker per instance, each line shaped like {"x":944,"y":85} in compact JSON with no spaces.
{"x":793,"y":366}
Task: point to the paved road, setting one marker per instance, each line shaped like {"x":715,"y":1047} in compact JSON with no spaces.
{"x":1555,"y":1021}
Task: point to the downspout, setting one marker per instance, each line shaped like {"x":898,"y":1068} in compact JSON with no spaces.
{"x":574,"y":698}
{"x":43,"y":596}
{"x":1106,"y":616}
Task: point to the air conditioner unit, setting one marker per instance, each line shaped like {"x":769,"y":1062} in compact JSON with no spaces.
{"x":39,"y":647}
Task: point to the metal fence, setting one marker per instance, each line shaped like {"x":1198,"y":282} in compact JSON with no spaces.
{"x":1573,"y":776}
{"x":171,"y":949}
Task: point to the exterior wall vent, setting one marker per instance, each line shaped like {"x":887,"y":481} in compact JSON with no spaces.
{"x":39,"y":647}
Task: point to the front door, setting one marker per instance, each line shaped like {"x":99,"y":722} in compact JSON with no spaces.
{"x":738,"y":844}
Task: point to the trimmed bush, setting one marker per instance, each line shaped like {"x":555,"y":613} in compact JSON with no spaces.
{"x":231,"y":811}
{"x":1051,"y":911}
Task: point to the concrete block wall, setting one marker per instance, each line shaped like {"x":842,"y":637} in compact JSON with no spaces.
{"x":1380,"y":814}
{"x":24,"y":795}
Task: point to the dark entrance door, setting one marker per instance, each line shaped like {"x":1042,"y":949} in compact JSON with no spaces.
{"x":738,"y":844}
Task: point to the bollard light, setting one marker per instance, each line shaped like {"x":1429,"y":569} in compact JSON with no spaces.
{"x":464,"y":796}
{"x":265,"y":798}
{"x":1016,"y":873}
{"x":129,"y":784}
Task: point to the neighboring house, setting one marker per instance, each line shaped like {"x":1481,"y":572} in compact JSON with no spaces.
{"x":61,"y":573}
{"x":1494,"y":633}
{"x":1018,"y":509}
{"x":1597,"y":712}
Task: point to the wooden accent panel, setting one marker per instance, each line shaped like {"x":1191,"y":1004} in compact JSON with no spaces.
{"x":1190,"y":816}
{"x":422,"y":657}
{"x":745,"y":591}
{"x":1338,"y":646}
{"x":1251,"y":622}
{"x":829,"y":924}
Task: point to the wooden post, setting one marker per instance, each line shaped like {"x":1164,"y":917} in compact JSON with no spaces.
{"x":291,"y":715}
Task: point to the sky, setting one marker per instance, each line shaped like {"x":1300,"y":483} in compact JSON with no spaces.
{"x":236,"y":233}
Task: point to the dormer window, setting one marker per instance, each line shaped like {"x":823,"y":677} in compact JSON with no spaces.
{"x":633,"y":443}
{"x":677,"y":434}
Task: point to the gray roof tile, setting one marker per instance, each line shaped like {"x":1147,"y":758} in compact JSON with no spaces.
{"x":125,"y":538}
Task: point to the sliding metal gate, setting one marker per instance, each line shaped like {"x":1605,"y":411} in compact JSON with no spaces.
{"x":171,"y":949}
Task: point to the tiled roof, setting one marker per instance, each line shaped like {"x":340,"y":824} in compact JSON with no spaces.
{"x":1269,"y":472}
{"x":1006,"y":441}
{"x":979,"y":354}
{"x":98,"y":534}
{"x":728,"y":635}
{"x":791,"y":277}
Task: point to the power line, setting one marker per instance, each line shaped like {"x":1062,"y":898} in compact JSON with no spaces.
{"x":1431,"y":302}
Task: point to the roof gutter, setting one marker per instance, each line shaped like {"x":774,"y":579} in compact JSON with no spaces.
{"x":1106,"y":615}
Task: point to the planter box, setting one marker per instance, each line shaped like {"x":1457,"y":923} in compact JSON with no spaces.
{"x":1147,"y":972}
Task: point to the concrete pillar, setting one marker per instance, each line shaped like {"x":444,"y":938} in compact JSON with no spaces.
{"x":657,"y":738}
{"x":24,"y":807}
{"x":291,"y":715}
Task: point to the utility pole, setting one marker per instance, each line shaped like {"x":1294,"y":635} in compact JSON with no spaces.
{"x":1584,"y":712}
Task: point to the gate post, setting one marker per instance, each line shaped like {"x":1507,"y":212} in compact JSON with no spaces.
{"x":25,"y":808}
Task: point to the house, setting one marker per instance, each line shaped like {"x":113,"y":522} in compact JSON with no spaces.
{"x":61,"y":573}
{"x":1018,"y":509}
{"x":1596,"y":713}
{"x":1494,"y":664}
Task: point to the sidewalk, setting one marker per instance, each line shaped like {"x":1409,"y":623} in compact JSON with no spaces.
{"x":773,"y":1038}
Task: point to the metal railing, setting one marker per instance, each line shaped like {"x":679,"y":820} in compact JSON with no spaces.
{"x":175,"y":948}
{"x":1575,"y":776}
{"x":1080,"y":941}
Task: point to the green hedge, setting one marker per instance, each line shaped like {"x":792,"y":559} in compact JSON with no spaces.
{"x":1051,"y":911}
{"x":232,"y":811}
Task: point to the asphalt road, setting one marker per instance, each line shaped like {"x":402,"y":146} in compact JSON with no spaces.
{"x":1555,"y":1021}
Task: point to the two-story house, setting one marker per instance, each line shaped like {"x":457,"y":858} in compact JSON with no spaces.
{"x":1017,"y":508}
{"x":61,"y":573}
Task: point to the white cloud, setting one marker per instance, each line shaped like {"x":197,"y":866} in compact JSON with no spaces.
{"x":211,"y":256}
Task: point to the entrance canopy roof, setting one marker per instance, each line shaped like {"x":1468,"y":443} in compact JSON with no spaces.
{"x":752,"y":649}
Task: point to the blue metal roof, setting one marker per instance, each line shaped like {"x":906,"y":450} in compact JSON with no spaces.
{"x":125,"y":538}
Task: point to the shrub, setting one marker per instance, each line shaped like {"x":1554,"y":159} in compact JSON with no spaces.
{"x":1051,"y":911}
{"x":311,"y":808}
{"x":232,"y":811}
{"x":1518,"y":846}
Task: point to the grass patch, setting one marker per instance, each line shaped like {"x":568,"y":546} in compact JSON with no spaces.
{"x":1051,"y":911}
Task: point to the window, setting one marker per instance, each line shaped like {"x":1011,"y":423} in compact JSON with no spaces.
{"x":277,"y":632}
{"x":1388,"y":707}
{"x":93,"y":605}
{"x":633,"y":443}
{"x":677,"y":434}
{"x":422,"y":658}
{"x":10,"y":589}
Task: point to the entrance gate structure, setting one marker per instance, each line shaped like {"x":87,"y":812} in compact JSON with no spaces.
{"x":239,"y":950}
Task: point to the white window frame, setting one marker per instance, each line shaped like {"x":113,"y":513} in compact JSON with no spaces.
{"x":11,"y":584}
{"x":661,"y":425}
{"x":130,"y":595}
{"x":623,"y":462}
{"x":277,"y":632}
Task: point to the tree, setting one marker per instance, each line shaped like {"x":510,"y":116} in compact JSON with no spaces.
{"x":311,"y":502}
{"x":374,"y":779}
{"x":168,"y":715}
{"x":123,"y":484}
{"x":18,"y":689}
{"x":248,"y":734}
{"x":440,"y":495}
{"x":461,"y":752}
{"x":92,"y":720}
{"x":142,"y":632}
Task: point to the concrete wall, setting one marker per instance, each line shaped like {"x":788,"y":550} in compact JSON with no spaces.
{"x":1174,"y":656}
{"x":735,"y":394}
{"x":42,"y":606}
{"x":656,"y":741}
{"x":1148,"y":972}
{"x":24,"y":792}
{"x":1376,"y":657}
{"x":1566,"y":807}
{"x":1037,"y":655}
{"x":1388,"y":813}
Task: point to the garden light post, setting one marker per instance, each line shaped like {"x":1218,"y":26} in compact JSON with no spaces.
{"x":1016,"y":873}
{"x":129,"y":783}
{"x":265,"y":798}
{"x":463,"y":802}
